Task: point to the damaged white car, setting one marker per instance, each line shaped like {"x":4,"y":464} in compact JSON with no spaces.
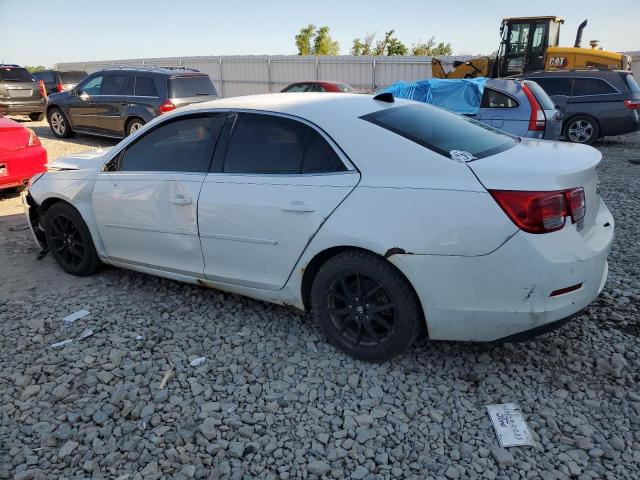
{"x":381,"y":216}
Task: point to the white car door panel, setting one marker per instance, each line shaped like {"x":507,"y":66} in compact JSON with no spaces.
{"x":150,"y":218}
{"x":253,"y":228}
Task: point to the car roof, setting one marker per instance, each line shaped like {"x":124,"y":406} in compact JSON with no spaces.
{"x":593,"y":72}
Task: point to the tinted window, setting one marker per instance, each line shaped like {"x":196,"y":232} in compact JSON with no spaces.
{"x":182,"y":145}
{"x":591,"y":86}
{"x":146,"y":87}
{"x":319,"y":156}
{"x":442,"y":131}
{"x":117,"y":85}
{"x":191,"y":86}
{"x":316,"y":87}
{"x":92,"y":87}
{"x":543,"y":98}
{"x":46,"y":76}
{"x":297,"y":87}
{"x":13,"y":74}
{"x":556,"y":85}
{"x":631,"y":83}
{"x":494,"y":99}
{"x":72,"y":77}
{"x":265,"y":144}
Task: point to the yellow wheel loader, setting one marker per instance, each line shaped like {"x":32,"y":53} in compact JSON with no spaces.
{"x":529,"y":44}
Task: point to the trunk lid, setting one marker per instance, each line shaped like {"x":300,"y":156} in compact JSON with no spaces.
{"x":13,"y":136}
{"x":540,"y":165}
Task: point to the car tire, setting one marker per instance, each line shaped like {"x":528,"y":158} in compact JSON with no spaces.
{"x":36,"y":117}
{"x":69,"y":240}
{"x":58,"y":123}
{"x":581,"y":129}
{"x":365,"y":306}
{"x":133,"y":125}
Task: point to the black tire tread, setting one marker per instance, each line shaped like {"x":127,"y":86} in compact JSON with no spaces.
{"x":416,"y":318}
{"x":68,"y":132}
{"x":594,"y":122}
{"x":129,"y":122}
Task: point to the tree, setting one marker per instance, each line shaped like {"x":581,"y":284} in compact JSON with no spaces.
{"x":303,"y":39}
{"x":316,"y":41}
{"x":32,"y":69}
{"x":323,"y":44}
{"x":363,"y":47}
{"x":431,"y":49}
{"x":390,"y":45}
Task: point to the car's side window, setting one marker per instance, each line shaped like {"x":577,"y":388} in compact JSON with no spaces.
{"x":555,"y":85}
{"x":591,"y":86}
{"x":493,"y":99}
{"x":269,"y":144}
{"x":117,"y":85}
{"x":300,"y":87}
{"x":179,"y":145}
{"x":146,"y":87}
{"x":92,"y":87}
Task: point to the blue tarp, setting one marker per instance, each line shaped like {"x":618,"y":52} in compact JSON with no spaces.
{"x":460,"y":95}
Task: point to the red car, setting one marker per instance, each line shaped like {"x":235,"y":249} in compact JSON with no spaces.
{"x":21,"y":154}
{"x":319,"y":86}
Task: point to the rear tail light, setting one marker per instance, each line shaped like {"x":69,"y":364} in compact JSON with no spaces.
{"x":537,"y":120}
{"x":165,"y":107}
{"x":41,"y":87}
{"x":33,"y":141}
{"x":541,"y":212}
{"x":60,"y":87}
{"x":632,"y":104}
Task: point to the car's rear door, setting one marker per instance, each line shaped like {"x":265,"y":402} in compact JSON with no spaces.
{"x":145,"y":204}
{"x":501,"y":110}
{"x":601,"y":100}
{"x":114,"y":98}
{"x":276,"y":179}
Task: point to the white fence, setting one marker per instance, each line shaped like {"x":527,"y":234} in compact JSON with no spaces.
{"x":244,"y":75}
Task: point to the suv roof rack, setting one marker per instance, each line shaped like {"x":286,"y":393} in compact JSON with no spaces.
{"x":9,"y":65}
{"x":150,"y":68}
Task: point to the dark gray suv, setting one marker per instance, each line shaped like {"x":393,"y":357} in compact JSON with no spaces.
{"x":118,"y":101}
{"x":595,"y":103}
{"x":20,"y":93}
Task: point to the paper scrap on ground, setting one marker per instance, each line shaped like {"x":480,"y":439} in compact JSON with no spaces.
{"x":75,"y":316}
{"x":62,"y":343}
{"x":196,"y":362}
{"x":167,"y":376}
{"x":86,"y":334}
{"x":509,"y":424}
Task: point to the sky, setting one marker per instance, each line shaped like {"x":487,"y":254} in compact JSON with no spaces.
{"x":36,"y":32}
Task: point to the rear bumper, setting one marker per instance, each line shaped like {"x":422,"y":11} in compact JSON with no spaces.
{"x":17,"y":108}
{"x":16,"y":169}
{"x":507,"y":292}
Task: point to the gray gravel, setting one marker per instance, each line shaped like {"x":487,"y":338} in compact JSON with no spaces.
{"x":272,"y":400}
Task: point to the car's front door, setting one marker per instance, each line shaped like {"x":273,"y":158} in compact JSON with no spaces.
{"x":275,"y":181}
{"x":145,"y":202}
{"x":115,"y":95}
{"x":82,"y":107}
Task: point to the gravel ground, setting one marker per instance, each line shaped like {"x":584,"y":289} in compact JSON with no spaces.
{"x":272,"y":400}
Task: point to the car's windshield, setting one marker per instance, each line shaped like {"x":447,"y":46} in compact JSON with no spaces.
{"x":442,"y":131}
{"x":631,"y":83}
{"x":13,"y":74}
{"x":191,"y":86}
{"x":72,"y":77}
{"x":343,"y":87}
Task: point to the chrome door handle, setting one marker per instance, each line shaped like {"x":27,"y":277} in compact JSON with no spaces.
{"x":298,"y":206}
{"x":181,"y":200}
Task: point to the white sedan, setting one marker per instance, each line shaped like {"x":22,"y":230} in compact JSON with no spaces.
{"x":382,"y":217}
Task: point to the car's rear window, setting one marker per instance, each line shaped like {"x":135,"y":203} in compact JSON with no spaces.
{"x":13,"y":74}
{"x":441,"y":131}
{"x":631,"y":83}
{"x":191,"y":86}
{"x":72,"y":77}
{"x":543,"y":99}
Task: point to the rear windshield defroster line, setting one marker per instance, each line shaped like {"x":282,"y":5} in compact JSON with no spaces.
{"x":442,"y":131}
